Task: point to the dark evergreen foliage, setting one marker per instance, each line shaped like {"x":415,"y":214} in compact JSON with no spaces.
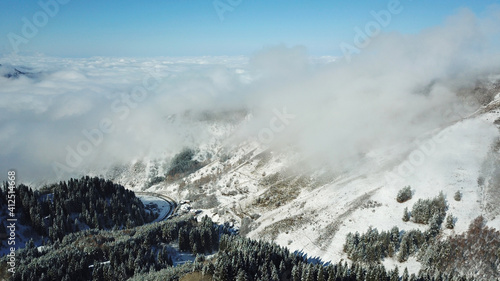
{"x":372,"y":246}
{"x":424,"y":210}
{"x":69,"y":206}
{"x":144,"y":253}
{"x":474,"y":253}
{"x":404,"y":194}
{"x":183,"y":163}
{"x":114,"y":255}
{"x":406,"y":215}
{"x":450,"y":221}
{"x":244,"y":259}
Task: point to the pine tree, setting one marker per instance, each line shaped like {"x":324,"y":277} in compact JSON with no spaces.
{"x":450,"y":221}
{"x":395,"y":274}
{"x":208,"y":269}
{"x":321,"y":274}
{"x":403,"y":250}
{"x":194,"y":249}
{"x":406,"y":215}
{"x":183,"y":239}
{"x":221,"y":271}
{"x":242,"y":276}
{"x":274,"y":273}
{"x":296,"y":274}
{"x":434,"y":225}
{"x":404,"y":194}
{"x":310,"y":273}
{"x":405,"y":276}
{"x":282,"y":268}
{"x":305,"y":270}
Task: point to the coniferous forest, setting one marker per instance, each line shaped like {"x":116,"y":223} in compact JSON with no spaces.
{"x":119,"y":244}
{"x":78,"y":204}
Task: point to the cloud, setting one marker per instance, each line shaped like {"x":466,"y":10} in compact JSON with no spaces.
{"x":99,"y":111}
{"x":118,"y":106}
{"x":400,"y":88}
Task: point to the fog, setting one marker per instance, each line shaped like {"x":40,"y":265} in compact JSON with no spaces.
{"x":117,"y":110}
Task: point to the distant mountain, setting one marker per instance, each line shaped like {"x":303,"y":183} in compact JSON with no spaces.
{"x":11,"y":72}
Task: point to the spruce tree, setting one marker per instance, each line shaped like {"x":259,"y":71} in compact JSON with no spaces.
{"x":208,"y":269}
{"x":274,"y":273}
{"x":296,"y":274}
{"x":405,"y":276}
{"x":403,"y":250}
{"x":404,"y":194}
{"x":450,"y":221}
{"x":242,"y":276}
{"x":321,"y":274}
{"x":395,"y":274}
{"x":406,"y":215}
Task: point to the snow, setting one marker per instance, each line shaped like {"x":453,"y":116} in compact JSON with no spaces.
{"x":179,"y":257}
{"x":104,"y":262}
{"x":412,"y":264}
{"x":42,"y":249}
{"x":157,"y":204}
{"x":23,"y":235}
{"x":448,"y":159}
{"x":454,"y":164}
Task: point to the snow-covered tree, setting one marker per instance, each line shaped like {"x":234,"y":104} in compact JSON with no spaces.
{"x":450,"y":221}
{"x":404,"y":194}
{"x":406,"y":215}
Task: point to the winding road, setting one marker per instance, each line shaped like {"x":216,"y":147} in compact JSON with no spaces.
{"x":171,"y":203}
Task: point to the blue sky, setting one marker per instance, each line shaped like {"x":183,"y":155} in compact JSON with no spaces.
{"x":194,"y":28}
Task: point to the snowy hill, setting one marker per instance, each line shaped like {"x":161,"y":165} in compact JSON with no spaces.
{"x":274,"y":193}
{"x":280,"y":165}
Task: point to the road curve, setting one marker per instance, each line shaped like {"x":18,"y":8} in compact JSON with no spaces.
{"x":170,"y":201}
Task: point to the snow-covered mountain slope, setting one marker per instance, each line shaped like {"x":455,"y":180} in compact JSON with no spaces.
{"x":274,"y":193}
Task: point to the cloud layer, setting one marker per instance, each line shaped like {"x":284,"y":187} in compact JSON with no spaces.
{"x":80,"y":114}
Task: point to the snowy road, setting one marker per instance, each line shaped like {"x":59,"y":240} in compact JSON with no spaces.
{"x":165,"y":205}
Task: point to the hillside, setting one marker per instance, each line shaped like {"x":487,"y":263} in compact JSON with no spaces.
{"x":417,"y":210}
{"x":153,"y":252}
{"x":273,"y":193}
{"x":52,"y":212}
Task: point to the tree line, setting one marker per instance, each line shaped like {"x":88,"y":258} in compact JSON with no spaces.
{"x":116,"y":254}
{"x":78,"y":204}
{"x":148,"y":252}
